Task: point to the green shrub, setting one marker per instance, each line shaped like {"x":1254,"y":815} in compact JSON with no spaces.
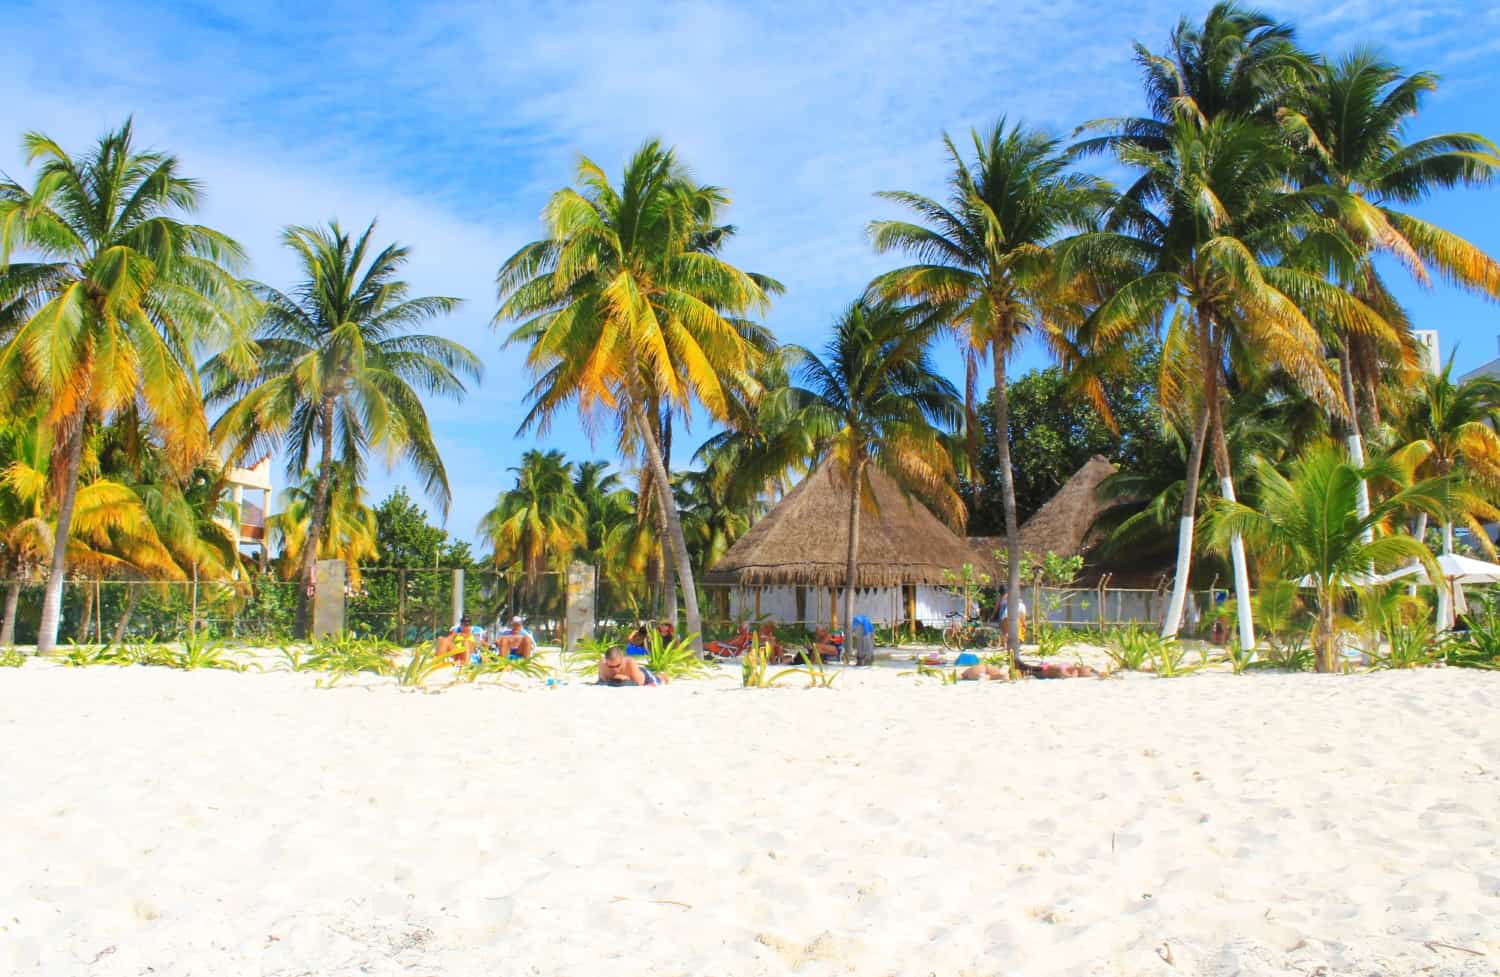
{"x":1479,"y":646}
{"x":1411,"y":645}
{"x":11,"y":658}
{"x":673,"y":659}
{"x":82,"y":656}
{"x":203,"y":650}
{"x":1133,"y":647}
{"x":1291,"y":656}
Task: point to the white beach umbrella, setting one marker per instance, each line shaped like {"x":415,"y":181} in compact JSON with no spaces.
{"x":1457,"y":571}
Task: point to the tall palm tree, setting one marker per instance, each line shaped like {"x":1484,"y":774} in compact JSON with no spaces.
{"x":337,"y":369}
{"x":1350,"y":121}
{"x":623,"y":309}
{"x":985,"y":262}
{"x":1448,"y":431}
{"x":1204,"y":229}
{"x":105,"y":316}
{"x":1307,"y":524}
{"x":539,"y":524}
{"x":349,"y":525}
{"x":874,"y":398}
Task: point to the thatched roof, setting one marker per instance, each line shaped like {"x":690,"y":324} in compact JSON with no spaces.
{"x":1062,"y":525}
{"x":804,"y":539}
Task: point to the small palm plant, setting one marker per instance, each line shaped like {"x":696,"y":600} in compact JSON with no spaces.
{"x":673,"y":659}
{"x":1309,"y":528}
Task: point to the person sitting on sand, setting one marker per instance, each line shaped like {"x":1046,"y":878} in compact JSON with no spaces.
{"x":667,"y":632}
{"x":735,"y":646}
{"x":775,"y":651}
{"x":635,"y":645}
{"x":1056,"y":670}
{"x":458,"y":643}
{"x":616,"y":669}
{"x":824,"y":646}
{"x":516,"y":642}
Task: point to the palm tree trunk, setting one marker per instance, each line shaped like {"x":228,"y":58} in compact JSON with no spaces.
{"x":1243,"y":610}
{"x":132,"y":597}
{"x":1324,"y":657}
{"x":315,"y":524}
{"x":88,"y":613}
{"x":1012,"y":527}
{"x":46,"y":637}
{"x":1356,"y":443}
{"x":12,"y":599}
{"x":1172,"y":624}
{"x":851,"y":565}
{"x":674,"y":526}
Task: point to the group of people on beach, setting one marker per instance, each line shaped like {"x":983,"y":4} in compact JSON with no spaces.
{"x":465,"y":644}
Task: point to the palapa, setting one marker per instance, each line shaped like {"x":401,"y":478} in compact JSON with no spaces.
{"x":1063,"y":524}
{"x":804,"y":539}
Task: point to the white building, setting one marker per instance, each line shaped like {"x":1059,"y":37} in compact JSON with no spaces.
{"x":249,"y":498}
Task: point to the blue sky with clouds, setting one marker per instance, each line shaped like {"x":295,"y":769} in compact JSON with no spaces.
{"x":452,"y":121}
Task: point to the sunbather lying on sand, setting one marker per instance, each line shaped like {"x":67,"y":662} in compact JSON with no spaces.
{"x":982,"y":673}
{"x":616,"y":669}
{"x":1056,"y":669}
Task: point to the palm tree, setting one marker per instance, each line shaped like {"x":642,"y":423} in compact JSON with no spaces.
{"x":349,"y":525}
{"x":1307,"y":524}
{"x":1203,"y":230}
{"x":623,"y":308}
{"x":539,"y":524}
{"x":336,"y":368}
{"x":875,"y":399}
{"x":1448,"y":431}
{"x":106,"y":316}
{"x":984,"y":261}
{"x":1350,"y":120}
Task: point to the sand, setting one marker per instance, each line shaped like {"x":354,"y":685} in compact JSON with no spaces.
{"x":206,"y":823}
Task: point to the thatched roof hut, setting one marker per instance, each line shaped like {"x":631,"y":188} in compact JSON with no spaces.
{"x":1062,"y":525}
{"x":804,"y":540}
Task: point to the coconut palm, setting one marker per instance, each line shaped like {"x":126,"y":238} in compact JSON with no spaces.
{"x":1350,"y":120}
{"x":985,"y":263}
{"x":1204,"y":231}
{"x":337,"y":370}
{"x":1307,"y":525}
{"x":539,"y":524}
{"x":623,"y":309}
{"x":105,"y":318}
{"x":874,"y":398}
{"x":349,"y":525}
{"x":1449,"y":431}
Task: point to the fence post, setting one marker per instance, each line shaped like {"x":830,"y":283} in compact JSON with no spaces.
{"x":458,"y":597}
{"x":328,"y":598}
{"x":578,"y":606}
{"x":401,"y":606}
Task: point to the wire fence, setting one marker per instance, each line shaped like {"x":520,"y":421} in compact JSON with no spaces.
{"x":409,"y":605}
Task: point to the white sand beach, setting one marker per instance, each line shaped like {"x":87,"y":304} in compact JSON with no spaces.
{"x":170,"y":823}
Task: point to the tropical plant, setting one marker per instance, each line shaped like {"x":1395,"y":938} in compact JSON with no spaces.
{"x":335,"y":367}
{"x":349,"y":526}
{"x":1308,"y":527}
{"x":1349,"y":119}
{"x":200,"y":649}
{"x":875,"y":399}
{"x":1448,"y":431}
{"x":1134,"y":647}
{"x":539,"y":524}
{"x":77,"y":655}
{"x":676,"y":658}
{"x":11,"y":658}
{"x":1292,"y":656}
{"x":624,"y":306}
{"x":1169,"y":659}
{"x":106,"y":318}
{"x":422,"y":664}
{"x":1478,"y":646}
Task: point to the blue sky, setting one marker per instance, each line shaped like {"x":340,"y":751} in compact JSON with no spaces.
{"x":452,"y":122}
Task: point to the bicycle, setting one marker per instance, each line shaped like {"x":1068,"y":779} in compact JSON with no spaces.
{"x":974,"y":632}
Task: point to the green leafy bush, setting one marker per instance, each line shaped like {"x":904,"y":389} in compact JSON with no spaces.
{"x":673,"y":659}
{"x":1479,"y":646}
{"x":1133,"y":647}
{"x":11,"y":658}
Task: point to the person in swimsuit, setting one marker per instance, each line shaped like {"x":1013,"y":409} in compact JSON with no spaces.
{"x":515,"y":642}
{"x":616,"y":669}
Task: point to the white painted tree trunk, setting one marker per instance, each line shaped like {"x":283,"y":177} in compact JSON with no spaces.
{"x":1172,"y":623}
{"x":1241,"y":576}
